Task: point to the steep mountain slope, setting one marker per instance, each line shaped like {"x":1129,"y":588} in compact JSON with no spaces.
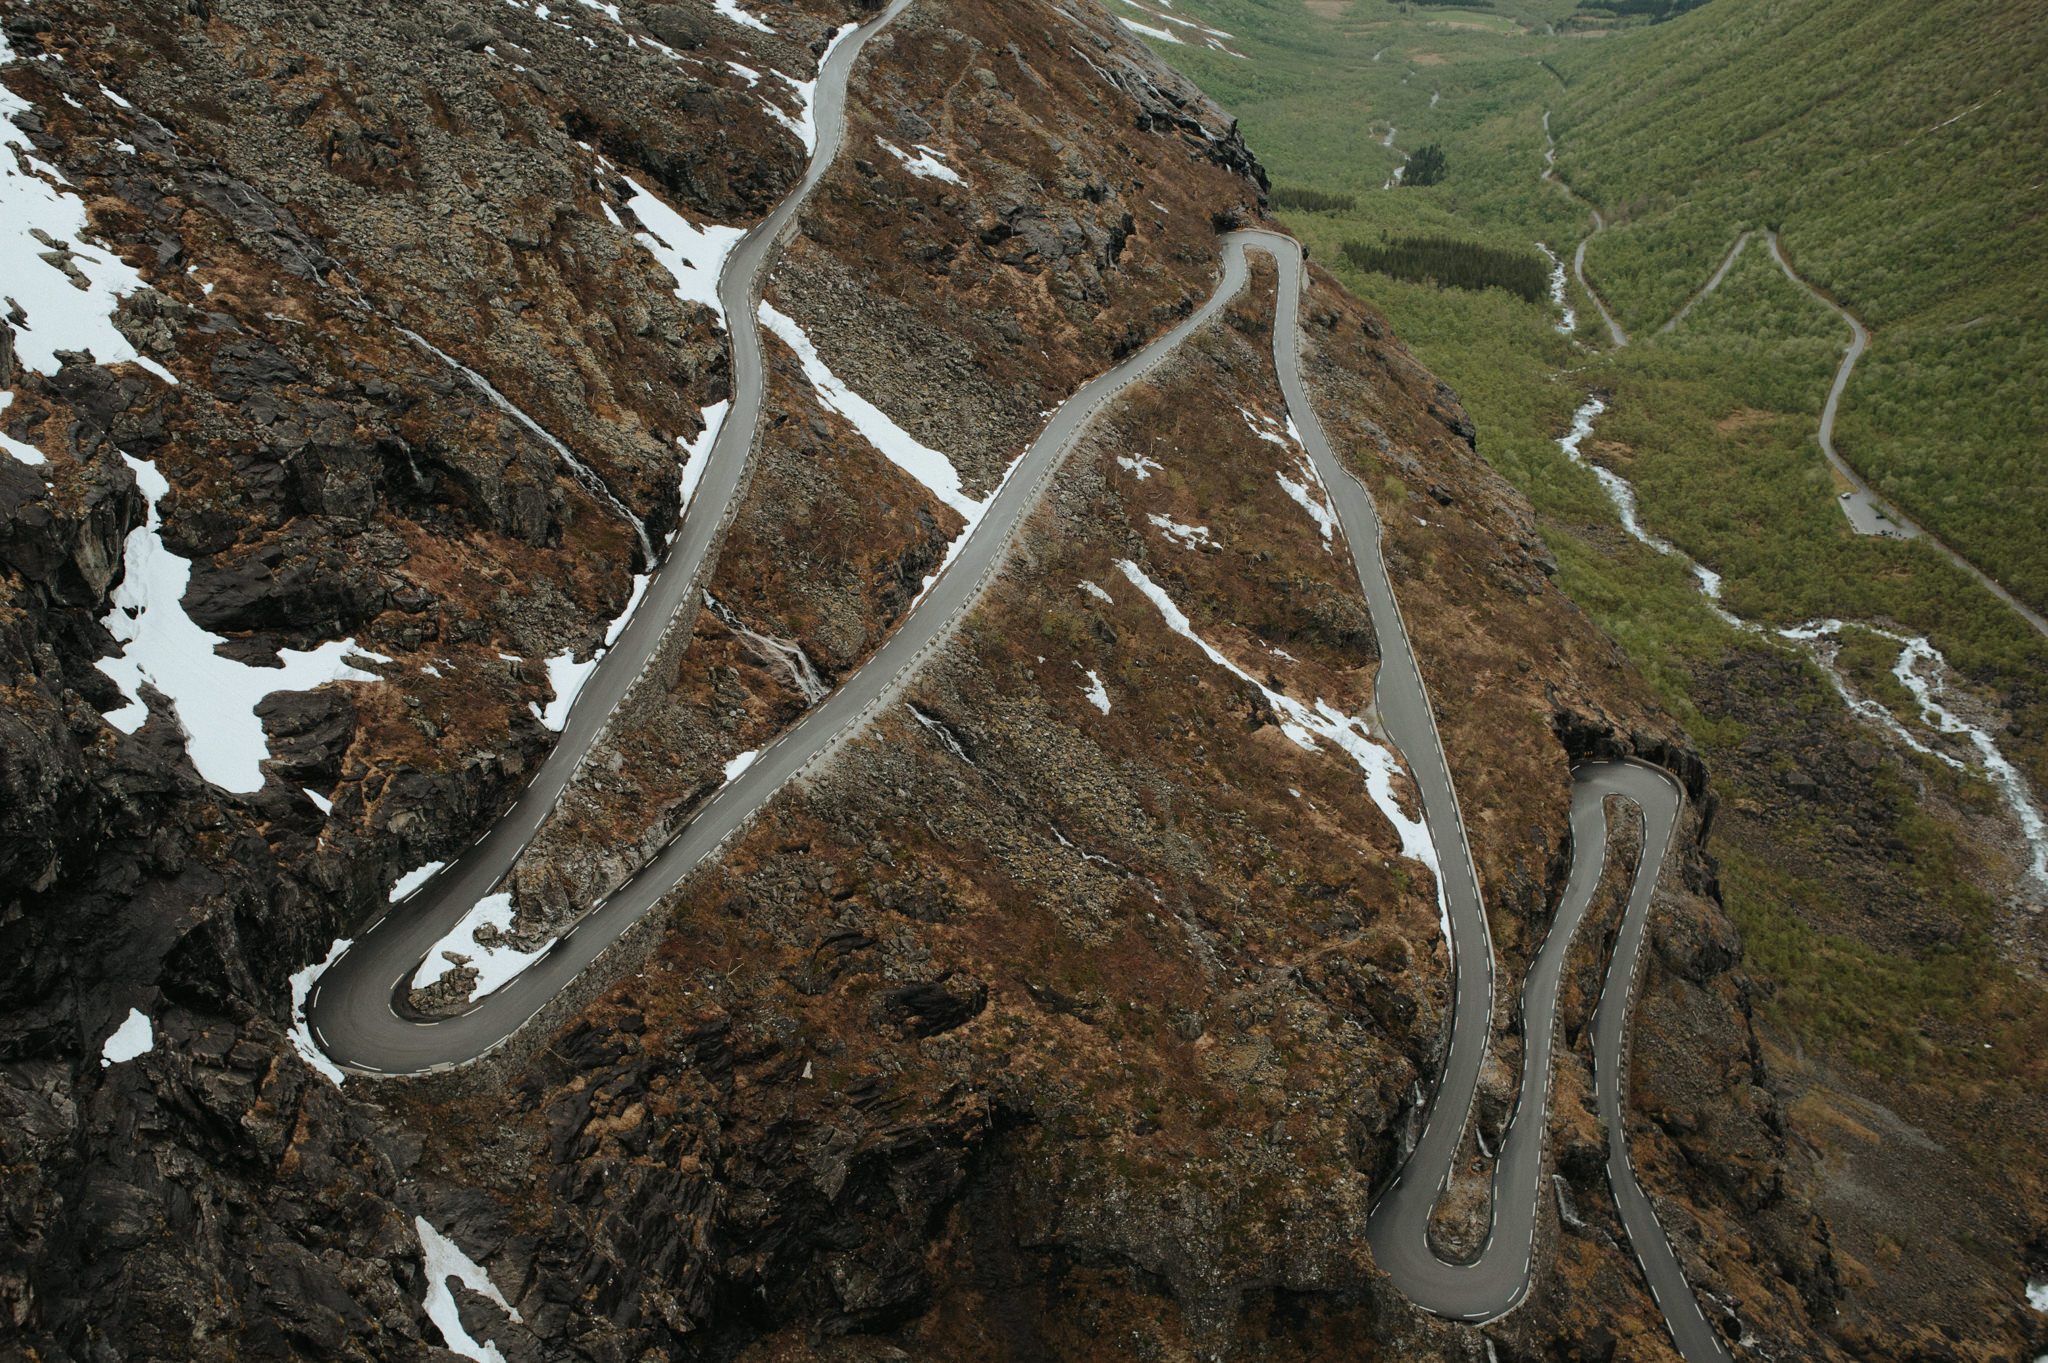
{"x":1078,"y":1007}
{"x":1885,"y":876}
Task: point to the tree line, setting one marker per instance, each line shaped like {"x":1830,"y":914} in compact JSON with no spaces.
{"x":1454,"y":263}
{"x":1313,"y":200}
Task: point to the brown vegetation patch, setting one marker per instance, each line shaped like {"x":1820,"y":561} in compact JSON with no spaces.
{"x":1742,"y":418}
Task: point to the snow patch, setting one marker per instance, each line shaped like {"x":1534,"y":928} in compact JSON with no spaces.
{"x":566,"y":676}
{"x":924,"y":464}
{"x":2037,"y":1292}
{"x":928,"y":165}
{"x":1303,"y":725}
{"x":697,"y":454}
{"x":67,"y":291}
{"x":132,"y":1038}
{"x":27,"y":454}
{"x":693,"y":256}
{"x":444,"y":1261}
{"x":496,"y":964}
{"x":1315,"y":502}
{"x":213,"y":698}
{"x":1141,"y":467}
{"x":1096,"y":592}
{"x":1186,"y":536}
{"x":740,"y":764}
{"x":320,"y":802}
{"x":1175,"y":19}
{"x":732,"y":11}
{"x":302,"y":988}
{"x":1097,"y":694}
{"x":1161,"y":34}
{"x":413,"y":879}
{"x":805,"y":123}
{"x":1325,"y":519}
{"x":1264,"y":427}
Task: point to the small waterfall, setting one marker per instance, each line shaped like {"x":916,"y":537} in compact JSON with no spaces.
{"x":786,"y":654}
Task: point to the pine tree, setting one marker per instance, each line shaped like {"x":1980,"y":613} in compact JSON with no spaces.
{"x":1426,"y":167}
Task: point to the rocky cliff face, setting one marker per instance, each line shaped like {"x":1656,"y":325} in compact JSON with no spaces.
{"x":1074,"y":1010}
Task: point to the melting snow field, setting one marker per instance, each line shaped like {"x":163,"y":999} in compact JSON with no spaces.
{"x":1303,"y":725}
{"x":929,"y":164}
{"x":1097,"y":694}
{"x":67,"y":290}
{"x":921,"y":462}
{"x":566,"y":676}
{"x":1307,"y":492}
{"x":697,"y":454}
{"x":732,"y":11}
{"x":1161,"y":34}
{"x":805,"y":123}
{"x":413,"y":879}
{"x":444,"y":1261}
{"x":27,"y":454}
{"x":132,"y":1038}
{"x":496,"y":965}
{"x":693,"y":256}
{"x":214,"y":697}
{"x":1186,"y":536}
{"x":302,"y":987}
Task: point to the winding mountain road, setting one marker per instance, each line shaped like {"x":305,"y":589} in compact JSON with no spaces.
{"x":1398,"y":1228}
{"x":356,"y":1006}
{"x":336,"y":1007}
{"x":1867,"y":513}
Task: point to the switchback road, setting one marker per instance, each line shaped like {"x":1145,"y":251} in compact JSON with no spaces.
{"x":356,"y":1010}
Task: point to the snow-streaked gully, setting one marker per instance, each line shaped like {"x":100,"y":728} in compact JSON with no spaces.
{"x":355,"y":1007}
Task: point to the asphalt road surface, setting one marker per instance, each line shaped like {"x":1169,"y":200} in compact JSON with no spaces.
{"x":1867,"y":513}
{"x":356,"y":1009}
{"x":1398,"y":1228}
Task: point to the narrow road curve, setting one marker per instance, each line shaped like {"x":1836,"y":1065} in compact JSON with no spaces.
{"x":1398,"y":1228}
{"x":1713,"y":283}
{"x":1660,"y":799}
{"x":353,"y":1008}
{"x":669,"y":602}
{"x":1867,"y":513}
{"x":1862,"y":497}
